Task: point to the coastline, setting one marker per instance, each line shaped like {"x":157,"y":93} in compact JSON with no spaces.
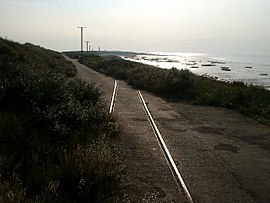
{"x":255,"y":71}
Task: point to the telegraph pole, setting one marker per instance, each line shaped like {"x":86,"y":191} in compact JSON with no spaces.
{"x":87,"y":45}
{"x":81,"y":27}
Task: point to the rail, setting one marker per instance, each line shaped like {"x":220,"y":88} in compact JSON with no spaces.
{"x":113,"y":97}
{"x":166,"y":150}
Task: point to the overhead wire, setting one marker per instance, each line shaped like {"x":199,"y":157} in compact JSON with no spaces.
{"x":71,"y":20}
{"x":65,"y":13}
{"x":77,"y":10}
{"x":80,"y":17}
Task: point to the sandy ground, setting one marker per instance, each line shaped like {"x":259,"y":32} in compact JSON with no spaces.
{"x":221,"y":154}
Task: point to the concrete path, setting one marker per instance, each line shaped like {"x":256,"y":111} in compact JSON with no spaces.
{"x":210,"y":146}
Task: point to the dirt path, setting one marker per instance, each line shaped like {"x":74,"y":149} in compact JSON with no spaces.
{"x":222,"y":155}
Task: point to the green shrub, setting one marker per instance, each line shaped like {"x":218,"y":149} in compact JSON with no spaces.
{"x":14,"y":54}
{"x":99,"y":169}
{"x":48,"y":124}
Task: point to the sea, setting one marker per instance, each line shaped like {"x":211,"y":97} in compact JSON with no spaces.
{"x":250,"y":69}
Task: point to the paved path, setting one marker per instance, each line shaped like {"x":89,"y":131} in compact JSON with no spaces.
{"x":208,"y":145}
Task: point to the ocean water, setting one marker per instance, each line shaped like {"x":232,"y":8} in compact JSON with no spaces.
{"x":245,"y":68}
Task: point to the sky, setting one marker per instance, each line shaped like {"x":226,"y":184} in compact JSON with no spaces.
{"x":202,"y":26}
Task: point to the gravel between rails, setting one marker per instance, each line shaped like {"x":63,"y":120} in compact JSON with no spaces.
{"x":215,"y":149}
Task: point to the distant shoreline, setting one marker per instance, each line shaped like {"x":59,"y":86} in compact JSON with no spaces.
{"x":221,"y":68}
{"x":257,"y":73}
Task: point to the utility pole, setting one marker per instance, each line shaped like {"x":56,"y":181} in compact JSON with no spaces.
{"x":87,"y":46}
{"x":81,"y":27}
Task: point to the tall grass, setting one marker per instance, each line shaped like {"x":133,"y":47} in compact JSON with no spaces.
{"x":12,"y":54}
{"x":57,"y":141}
{"x":176,"y":85}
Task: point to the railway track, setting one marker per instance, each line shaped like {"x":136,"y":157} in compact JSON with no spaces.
{"x":171,"y":164}
{"x":113,"y":100}
{"x":213,"y":174}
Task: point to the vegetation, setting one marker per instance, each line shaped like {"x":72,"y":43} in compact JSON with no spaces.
{"x":176,"y":85}
{"x":57,"y":141}
{"x":35,"y":57}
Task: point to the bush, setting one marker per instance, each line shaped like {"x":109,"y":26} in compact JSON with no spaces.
{"x":57,"y":141}
{"x":14,"y":54}
{"x":99,"y":169}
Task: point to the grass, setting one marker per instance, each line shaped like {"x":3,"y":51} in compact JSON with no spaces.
{"x":13,"y":54}
{"x":57,"y":141}
{"x":183,"y":85}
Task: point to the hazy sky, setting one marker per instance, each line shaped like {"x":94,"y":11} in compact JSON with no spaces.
{"x":215,"y":26}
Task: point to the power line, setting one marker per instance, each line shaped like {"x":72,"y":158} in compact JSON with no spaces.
{"x":77,"y":10}
{"x":63,"y":12}
{"x":70,"y":19}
